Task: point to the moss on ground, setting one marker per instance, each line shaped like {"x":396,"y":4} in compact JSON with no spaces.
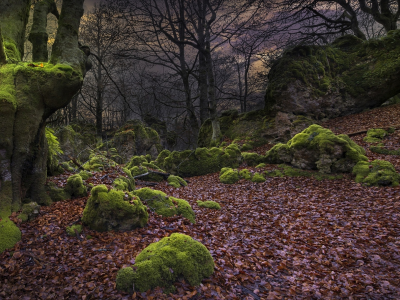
{"x":381,"y":150}
{"x":75,"y":186}
{"x":9,"y":234}
{"x":228,"y":176}
{"x":252,"y":159}
{"x":56,"y":194}
{"x":375,"y":135}
{"x":74,"y":230}
{"x":257,"y":177}
{"x":376,"y":173}
{"x":176,"y":181}
{"x":246,"y":174}
{"x":98,"y":161}
{"x":209,"y":204}
{"x":162,"y":263}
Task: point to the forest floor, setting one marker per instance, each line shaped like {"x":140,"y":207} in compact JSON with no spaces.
{"x":287,"y":238}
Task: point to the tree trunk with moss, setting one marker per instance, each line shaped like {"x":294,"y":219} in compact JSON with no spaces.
{"x":30,"y":93}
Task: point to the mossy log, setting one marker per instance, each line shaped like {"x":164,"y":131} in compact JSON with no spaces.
{"x":29,"y":94}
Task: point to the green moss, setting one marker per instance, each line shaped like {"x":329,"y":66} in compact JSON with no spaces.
{"x":74,"y":230}
{"x":246,"y":147}
{"x":375,"y":135}
{"x":257,"y":177}
{"x":56,"y":193}
{"x":229,"y":176}
{"x":29,"y":211}
{"x":75,"y":187}
{"x":98,"y":162}
{"x":165,"y":206}
{"x":252,"y":159}
{"x":162,"y":263}
{"x":9,"y":234}
{"x":209,"y":204}
{"x":113,"y":210}
{"x":381,"y":150}
{"x":377,"y":172}
{"x":85,"y":174}
{"x":246,"y":174}
{"x":124,"y":184}
{"x":176,"y":181}
{"x":262,"y":165}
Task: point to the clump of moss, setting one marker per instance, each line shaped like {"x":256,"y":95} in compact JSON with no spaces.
{"x":176,"y":181}
{"x":75,"y":186}
{"x":9,"y":234}
{"x":228,"y":176}
{"x":124,"y":184}
{"x":209,"y":204}
{"x":164,"y":205}
{"x":246,"y":174}
{"x":200,"y":161}
{"x":74,"y":230}
{"x":162,"y":263}
{"x":319,"y":149}
{"x":139,"y":165}
{"x":85,"y":174}
{"x":98,"y":162}
{"x":114,"y":210}
{"x":381,"y":150}
{"x":246,"y":147}
{"x":29,"y":211}
{"x":251,"y":159}
{"x":375,"y":135}
{"x":377,"y":173}
{"x":257,"y":177}
{"x":56,"y":194}
{"x":262,"y":165}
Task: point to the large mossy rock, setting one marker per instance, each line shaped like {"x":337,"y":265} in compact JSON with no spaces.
{"x":377,"y":173}
{"x":113,"y":210}
{"x":75,"y":187}
{"x":99,"y":161}
{"x":134,"y":138}
{"x":329,"y":81}
{"x":139,"y":165}
{"x":166,"y":206}
{"x":200,"y":161}
{"x":162,"y":263}
{"x":317,"y":148}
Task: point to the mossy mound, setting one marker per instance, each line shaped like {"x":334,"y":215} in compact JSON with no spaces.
{"x":162,"y":263}
{"x":113,"y":210}
{"x":75,"y":187}
{"x":209,"y":204}
{"x":124,"y":184}
{"x":200,"y":161}
{"x":262,"y":165}
{"x":74,"y":230}
{"x":229,"y":176}
{"x":252,"y":159}
{"x":317,"y":148}
{"x":257,"y":177}
{"x":9,"y":234}
{"x":377,"y":173}
{"x":134,"y":138}
{"x":98,"y":162}
{"x":334,"y":80}
{"x":381,"y":150}
{"x":56,"y":194}
{"x":142,"y":164}
{"x":29,"y":211}
{"x":245,"y":174}
{"x":176,"y":181}
{"x":289,"y":171}
{"x":164,"y":205}
{"x":85,"y":174}
{"x":375,"y":135}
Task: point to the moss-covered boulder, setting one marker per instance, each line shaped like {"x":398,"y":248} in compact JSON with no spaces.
{"x":9,"y":234}
{"x":166,"y":206}
{"x":85,"y":174}
{"x":377,"y":172}
{"x":209,"y":204}
{"x":75,"y":187}
{"x":328,"y":81}
{"x":257,"y":177}
{"x":200,"y":161}
{"x":134,"y":138}
{"x":56,"y":194}
{"x":114,"y":210}
{"x":123,"y":183}
{"x":229,"y":176}
{"x":176,"y":181}
{"x":252,"y":159}
{"x":162,"y":263}
{"x":245,"y":174}
{"x":98,"y":161}
{"x":375,"y":135}
{"x":139,"y":165}
{"x":29,"y":211}
{"x":317,"y":148}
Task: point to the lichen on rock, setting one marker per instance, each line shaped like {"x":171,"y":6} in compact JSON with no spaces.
{"x":113,"y":210}
{"x":160,"y":264}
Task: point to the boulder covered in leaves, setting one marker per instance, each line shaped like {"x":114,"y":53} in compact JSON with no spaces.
{"x":161,"y":264}
{"x":114,"y":210}
{"x":317,"y":148}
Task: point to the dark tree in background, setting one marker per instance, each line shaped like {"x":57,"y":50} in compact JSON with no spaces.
{"x":30,"y":93}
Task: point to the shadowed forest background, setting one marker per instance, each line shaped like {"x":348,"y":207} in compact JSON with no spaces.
{"x":204,"y":149}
